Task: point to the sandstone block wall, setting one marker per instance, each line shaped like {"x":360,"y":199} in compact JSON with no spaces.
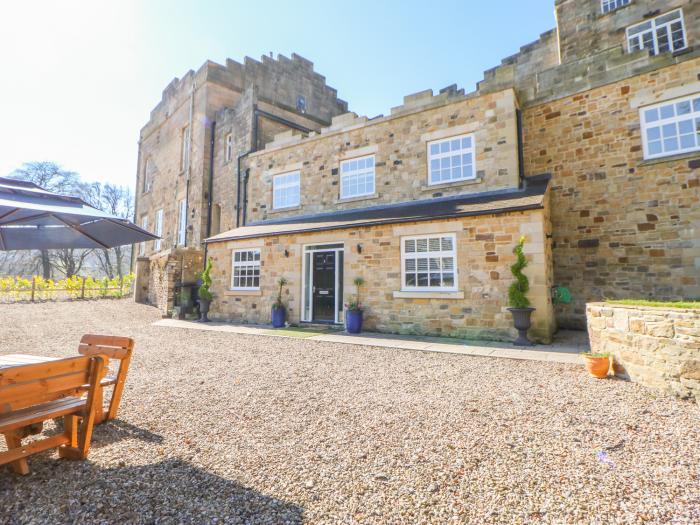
{"x":275,"y":83}
{"x":622,"y":227}
{"x":656,"y":347}
{"x":585,"y":30}
{"x":484,"y":256}
{"x":399,"y":144}
{"x":158,"y":276}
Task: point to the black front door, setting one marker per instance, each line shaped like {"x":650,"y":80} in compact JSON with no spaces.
{"x":324,"y":286}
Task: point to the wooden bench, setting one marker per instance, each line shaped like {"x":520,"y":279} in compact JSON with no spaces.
{"x":111,"y":347}
{"x":32,"y":394}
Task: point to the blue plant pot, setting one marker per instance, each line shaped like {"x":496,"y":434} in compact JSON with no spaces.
{"x":353,"y":321}
{"x":278,"y":317}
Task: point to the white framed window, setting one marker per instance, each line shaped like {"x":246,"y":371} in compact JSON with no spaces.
{"x":286,"y":190}
{"x":357,"y":177}
{"x":671,"y":127}
{"x":228,"y":147}
{"x":658,"y":35}
{"x":147,"y":175}
{"x":245,"y":269}
{"x":451,"y":159}
{"x":159,"y":230}
{"x":611,"y":5}
{"x":185,"y":148}
{"x":142,"y":245}
{"x":429,"y":263}
{"x":182,"y":223}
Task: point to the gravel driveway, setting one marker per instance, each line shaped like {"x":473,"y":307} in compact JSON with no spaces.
{"x":226,"y":428}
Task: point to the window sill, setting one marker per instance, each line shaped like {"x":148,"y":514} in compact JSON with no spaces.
{"x":428,"y":295}
{"x":254,"y":293}
{"x":442,"y":185}
{"x":282,"y":210}
{"x":359,"y":198}
{"x":670,"y":158}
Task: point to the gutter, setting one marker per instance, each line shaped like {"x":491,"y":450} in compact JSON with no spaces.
{"x":379,"y":222}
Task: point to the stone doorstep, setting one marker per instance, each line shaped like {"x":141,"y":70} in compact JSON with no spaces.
{"x":566,"y":353}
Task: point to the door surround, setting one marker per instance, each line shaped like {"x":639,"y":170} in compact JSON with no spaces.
{"x":307,"y":315}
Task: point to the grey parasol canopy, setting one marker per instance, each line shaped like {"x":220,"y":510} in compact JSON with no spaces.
{"x":32,"y":218}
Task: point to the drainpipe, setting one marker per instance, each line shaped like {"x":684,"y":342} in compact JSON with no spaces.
{"x":245,"y":193}
{"x":257,"y":113}
{"x":211,"y":187}
{"x":189,"y":163}
{"x":139,"y":187}
{"x":521,"y":149}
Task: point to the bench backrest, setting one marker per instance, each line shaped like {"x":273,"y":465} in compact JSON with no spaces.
{"x":27,"y":385}
{"x":114,"y":347}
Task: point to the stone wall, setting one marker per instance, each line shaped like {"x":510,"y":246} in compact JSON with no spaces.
{"x":195,"y":101}
{"x":594,"y":51}
{"x":623,"y":227}
{"x":399,"y":144}
{"x":585,"y":30}
{"x":656,"y":347}
{"x":158,"y":276}
{"x":478,"y":310}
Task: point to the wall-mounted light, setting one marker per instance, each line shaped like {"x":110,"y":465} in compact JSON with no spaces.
{"x":286,"y":253}
{"x":359,"y":248}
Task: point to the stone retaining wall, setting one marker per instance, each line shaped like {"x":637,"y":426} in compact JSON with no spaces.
{"x":656,"y":347}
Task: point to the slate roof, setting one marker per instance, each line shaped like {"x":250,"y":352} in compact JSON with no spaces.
{"x":530,"y":197}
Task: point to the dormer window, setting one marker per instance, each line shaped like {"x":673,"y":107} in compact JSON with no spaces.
{"x":659,"y":35}
{"x":611,"y":5}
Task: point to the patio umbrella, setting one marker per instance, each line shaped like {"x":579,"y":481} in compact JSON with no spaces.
{"x":32,"y":218}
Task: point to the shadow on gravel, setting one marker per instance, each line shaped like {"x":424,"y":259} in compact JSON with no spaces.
{"x":119,"y":430}
{"x":110,"y":432}
{"x":171,"y":491}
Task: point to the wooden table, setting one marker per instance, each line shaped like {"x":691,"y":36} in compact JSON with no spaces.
{"x":27,"y":359}
{"x":23,"y":359}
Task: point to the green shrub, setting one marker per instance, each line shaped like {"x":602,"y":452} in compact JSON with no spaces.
{"x":354,"y":305}
{"x":517,"y":293}
{"x":278,"y":304}
{"x":204,"y":292}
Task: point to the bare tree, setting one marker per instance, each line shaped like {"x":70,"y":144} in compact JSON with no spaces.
{"x":51,"y":177}
{"x":118,"y":201}
{"x":69,"y":261}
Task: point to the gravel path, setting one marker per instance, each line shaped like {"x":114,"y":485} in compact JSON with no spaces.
{"x":248,"y":429}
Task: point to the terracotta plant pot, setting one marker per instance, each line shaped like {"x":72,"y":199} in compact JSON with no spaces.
{"x":597,"y":366}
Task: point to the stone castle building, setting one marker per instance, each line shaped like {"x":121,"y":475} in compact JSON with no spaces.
{"x":586,"y":142}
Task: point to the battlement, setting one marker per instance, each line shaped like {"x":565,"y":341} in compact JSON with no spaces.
{"x":280,"y":80}
{"x":412,"y":103}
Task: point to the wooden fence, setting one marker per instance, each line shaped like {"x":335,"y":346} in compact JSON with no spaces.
{"x":95,"y":290}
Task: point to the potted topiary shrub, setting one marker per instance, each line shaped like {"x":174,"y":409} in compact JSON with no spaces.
{"x":353,"y":315}
{"x":517,"y":296}
{"x":279,"y":312}
{"x":598,"y":365}
{"x":205,"y":296}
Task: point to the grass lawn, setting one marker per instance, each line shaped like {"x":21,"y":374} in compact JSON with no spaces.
{"x":661,"y":304}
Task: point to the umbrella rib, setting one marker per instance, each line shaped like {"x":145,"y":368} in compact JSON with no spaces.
{"x":31,"y":218}
{"x":11,"y":212}
{"x":126,"y":224}
{"x":81,"y":231}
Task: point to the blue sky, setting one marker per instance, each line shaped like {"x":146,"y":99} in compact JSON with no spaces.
{"x":81,"y":77}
